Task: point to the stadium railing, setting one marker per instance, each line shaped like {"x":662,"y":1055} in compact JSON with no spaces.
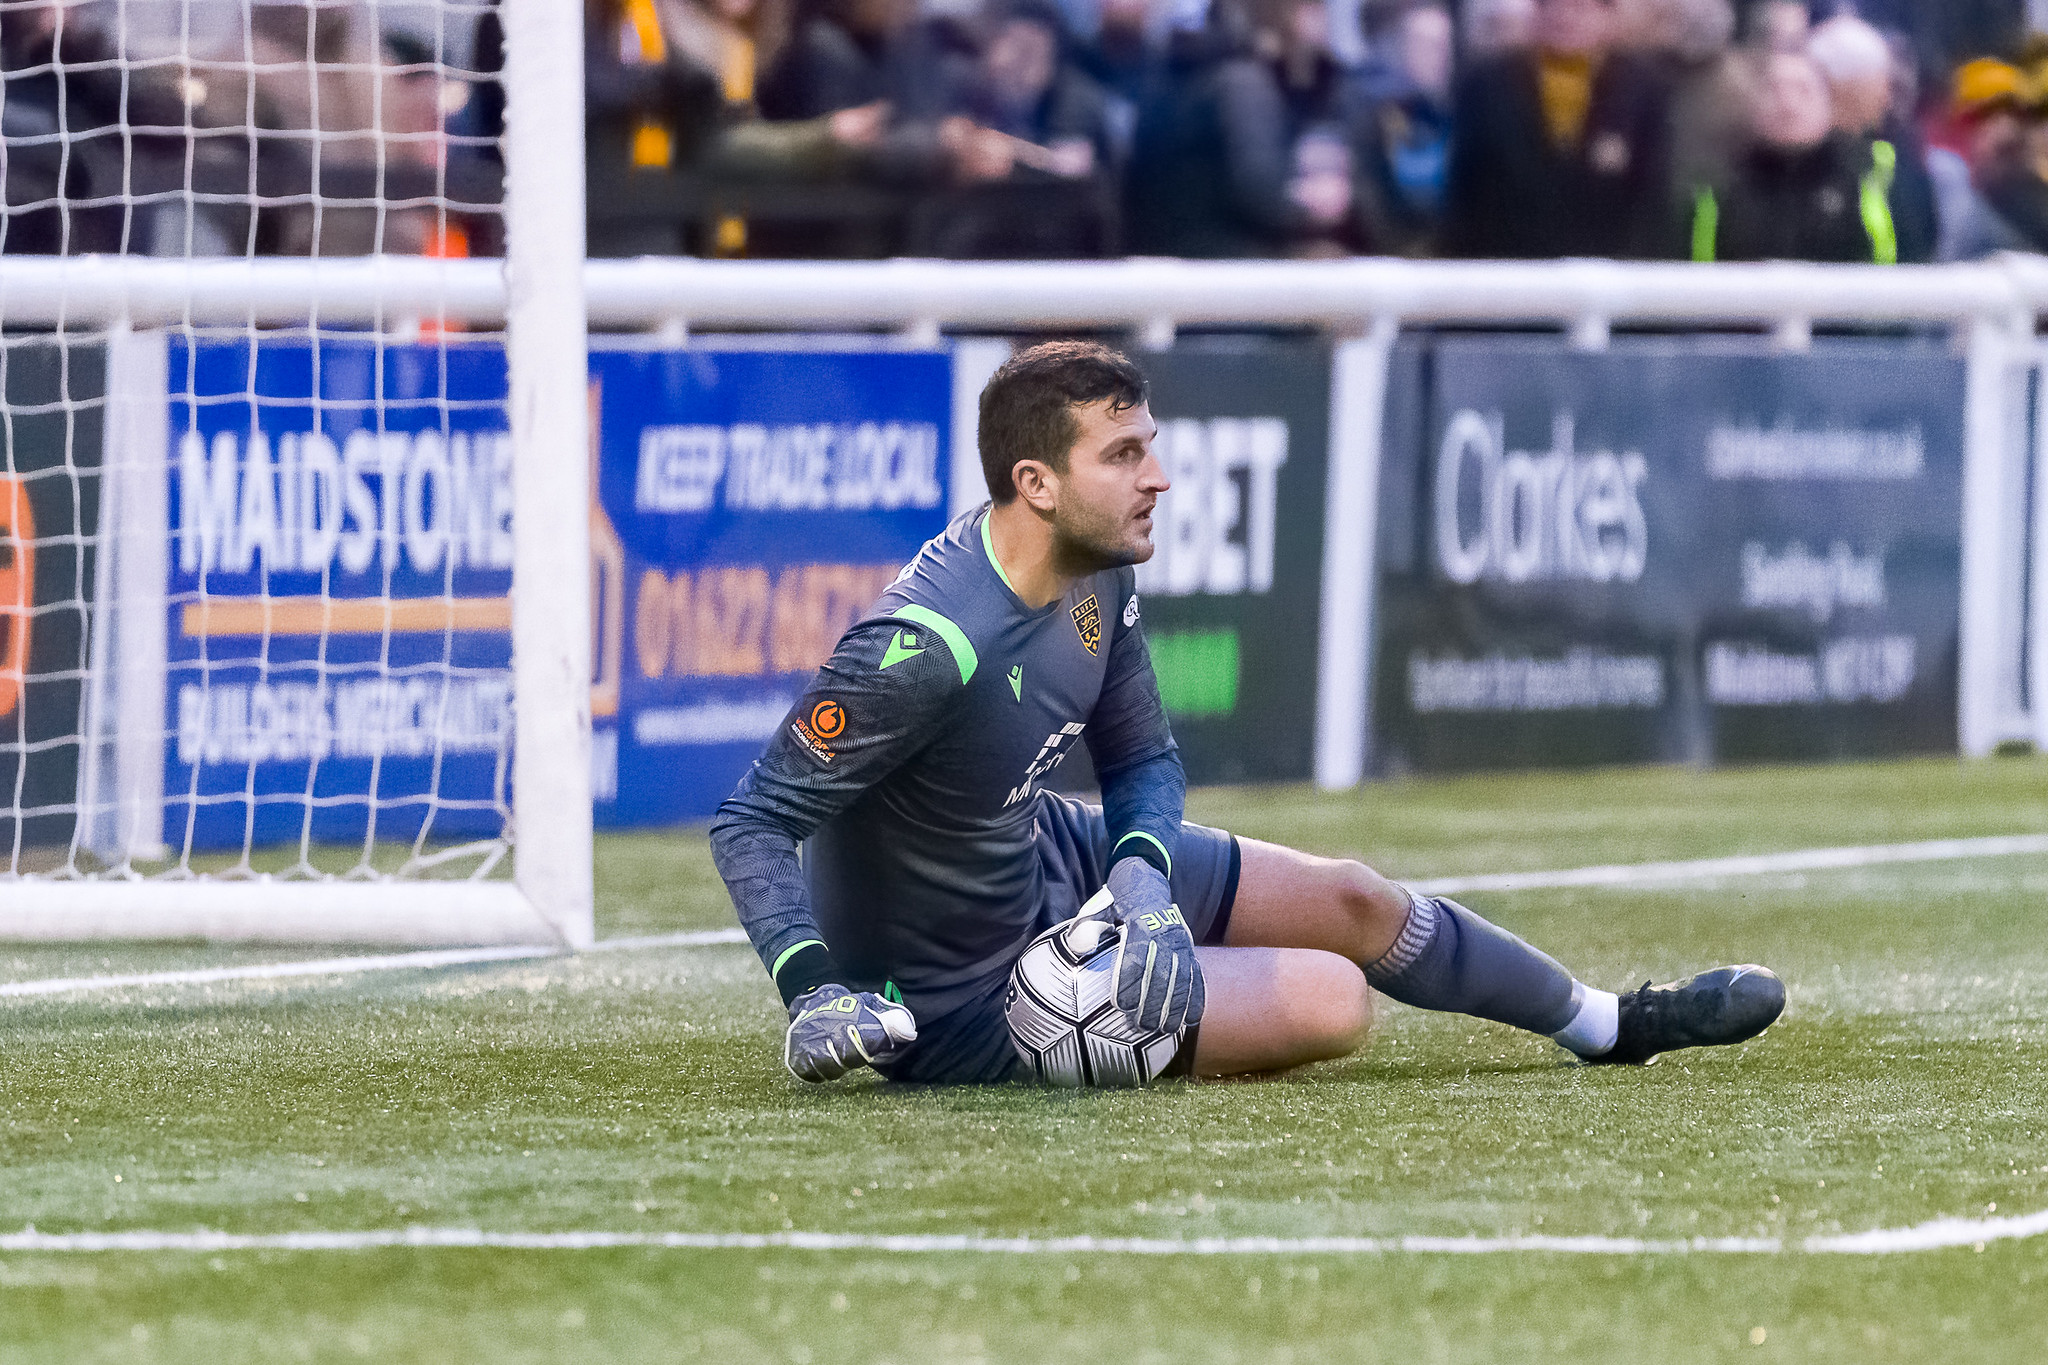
{"x":1990,"y":308}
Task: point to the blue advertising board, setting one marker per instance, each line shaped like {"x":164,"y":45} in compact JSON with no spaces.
{"x":339,"y":628}
{"x":339,"y":622}
{"x":754,"y":503}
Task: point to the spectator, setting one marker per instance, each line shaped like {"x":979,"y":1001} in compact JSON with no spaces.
{"x":1779,"y":26}
{"x":1713,"y":97}
{"x":734,"y":40}
{"x":2011,"y":165}
{"x":1214,"y":168}
{"x":1028,"y":87}
{"x":1863,"y":77}
{"x":336,"y":103}
{"x":1124,"y":56}
{"x":1808,"y":190}
{"x":847,"y":53}
{"x":483,"y":116}
{"x":1493,"y":27}
{"x":1403,"y":138}
{"x":669,"y":87}
{"x":41,"y":182}
{"x":99,"y":129}
{"x":1046,"y":123}
{"x":1562,"y":150}
{"x":647,"y":111}
{"x":1985,"y":131}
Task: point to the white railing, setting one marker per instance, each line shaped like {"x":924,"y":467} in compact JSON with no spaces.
{"x":1991,"y":308}
{"x":914,"y":295}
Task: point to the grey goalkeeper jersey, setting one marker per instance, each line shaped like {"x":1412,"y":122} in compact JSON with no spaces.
{"x":910,"y":771}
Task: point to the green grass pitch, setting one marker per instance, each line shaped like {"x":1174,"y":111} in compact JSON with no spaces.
{"x":642,"y":1091}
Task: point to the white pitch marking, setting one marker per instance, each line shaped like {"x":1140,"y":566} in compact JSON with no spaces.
{"x":1942,"y":1232}
{"x":268,"y":971}
{"x":344,"y":966}
{"x":1617,"y":874}
{"x":1752,"y":865}
{"x":1936,"y":1235}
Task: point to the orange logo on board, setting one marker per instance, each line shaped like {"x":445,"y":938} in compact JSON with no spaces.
{"x":17,"y":589}
{"x":828,"y":718}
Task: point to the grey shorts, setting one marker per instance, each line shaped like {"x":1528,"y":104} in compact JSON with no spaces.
{"x":971,"y":1045}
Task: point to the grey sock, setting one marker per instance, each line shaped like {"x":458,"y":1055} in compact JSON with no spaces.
{"x":1447,"y":958}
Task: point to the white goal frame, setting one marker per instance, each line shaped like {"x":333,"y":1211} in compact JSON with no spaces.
{"x":538,"y":292}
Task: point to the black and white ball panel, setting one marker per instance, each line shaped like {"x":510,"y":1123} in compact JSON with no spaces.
{"x":1063,"y":1016}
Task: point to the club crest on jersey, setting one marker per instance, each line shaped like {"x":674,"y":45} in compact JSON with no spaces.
{"x":1088,"y":620}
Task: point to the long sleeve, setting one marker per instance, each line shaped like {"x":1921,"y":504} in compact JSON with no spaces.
{"x":875,"y":703}
{"x":1144,"y":790}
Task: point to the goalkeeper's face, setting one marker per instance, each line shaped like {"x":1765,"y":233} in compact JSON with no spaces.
{"x":1103,"y":502}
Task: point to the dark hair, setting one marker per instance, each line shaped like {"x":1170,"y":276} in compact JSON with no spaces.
{"x":1027,"y":410}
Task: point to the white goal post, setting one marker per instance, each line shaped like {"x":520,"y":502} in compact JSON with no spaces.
{"x":134,"y":305}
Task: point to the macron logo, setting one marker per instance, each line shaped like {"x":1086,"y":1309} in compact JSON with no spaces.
{"x":901,"y":647}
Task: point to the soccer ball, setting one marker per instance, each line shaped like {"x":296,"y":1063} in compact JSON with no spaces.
{"x":1063,"y":1015}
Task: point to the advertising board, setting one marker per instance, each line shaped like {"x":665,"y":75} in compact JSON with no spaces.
{"x":339,"y":639}
{"x":49,"y":519}
{"x":1233,"y":590}
{"x":1686,"y":551}
{"x":753,"y":503}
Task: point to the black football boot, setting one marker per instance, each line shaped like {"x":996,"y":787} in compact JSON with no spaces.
{"x":1713,"y":1009}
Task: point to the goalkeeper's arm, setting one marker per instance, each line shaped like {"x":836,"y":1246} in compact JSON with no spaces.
{"x":1144,"y":790}
{"x":853,"y":727}
{"x":1144,"y":794}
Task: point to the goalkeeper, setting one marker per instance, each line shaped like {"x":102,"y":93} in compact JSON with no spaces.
{"x":910,"y":775}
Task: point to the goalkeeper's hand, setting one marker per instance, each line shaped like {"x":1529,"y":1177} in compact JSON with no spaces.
{"x":1158,"y":981}
{"x":832,"y":1031}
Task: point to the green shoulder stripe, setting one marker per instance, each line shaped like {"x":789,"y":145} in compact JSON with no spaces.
{"x":955,"y":638}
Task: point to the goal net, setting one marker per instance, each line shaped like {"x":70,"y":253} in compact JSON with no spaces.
{"x":294,"y":566}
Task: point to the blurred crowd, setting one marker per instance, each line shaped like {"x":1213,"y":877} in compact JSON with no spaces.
{"x":1641,"y":129}
{"x":198,"y":129}
{"x":1648,"y":129}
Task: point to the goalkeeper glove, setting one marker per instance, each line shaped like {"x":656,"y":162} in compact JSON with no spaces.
{"x":1158,"y":982}
{"x":832,"y":1031}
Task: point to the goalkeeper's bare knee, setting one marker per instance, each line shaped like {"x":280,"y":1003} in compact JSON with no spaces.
{"x":1326,"y":1004}
{"x":1275,"y":1008}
